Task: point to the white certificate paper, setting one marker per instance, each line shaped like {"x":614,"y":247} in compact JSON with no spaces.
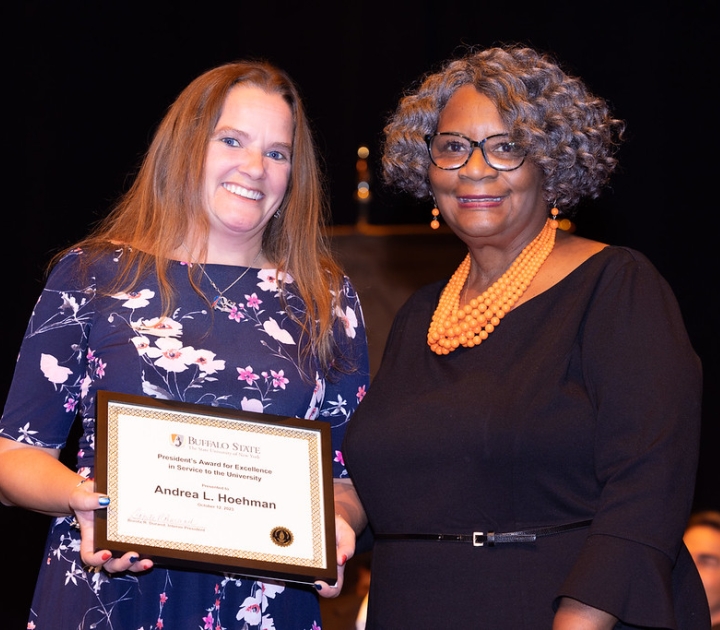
{"x":216,"y":489}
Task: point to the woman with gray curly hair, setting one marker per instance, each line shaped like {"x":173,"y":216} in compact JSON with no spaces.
{"x":526,"y":454}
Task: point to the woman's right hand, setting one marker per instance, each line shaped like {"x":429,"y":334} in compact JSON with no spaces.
{"x":33,"y":478}
{"x":84,"y":501}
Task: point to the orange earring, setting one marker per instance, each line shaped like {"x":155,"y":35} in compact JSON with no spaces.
{"x":434,"y":223}
{"x":554,"y":212}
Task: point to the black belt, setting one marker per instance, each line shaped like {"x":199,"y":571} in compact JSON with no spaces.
{"x":489,"y":539}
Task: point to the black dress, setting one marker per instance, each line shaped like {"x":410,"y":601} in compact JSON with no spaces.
{"x":583,"y":404}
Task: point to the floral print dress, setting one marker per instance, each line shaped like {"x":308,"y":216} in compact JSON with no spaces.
{"x":243,"y":354}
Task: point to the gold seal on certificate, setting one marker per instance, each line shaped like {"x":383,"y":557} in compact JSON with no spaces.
{"x":282,"y":536}
{"x":218,"y":489}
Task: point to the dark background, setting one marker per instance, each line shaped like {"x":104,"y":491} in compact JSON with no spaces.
{"x":88,"y":83}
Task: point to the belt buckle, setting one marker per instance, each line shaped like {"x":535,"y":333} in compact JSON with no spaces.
{"x":483,"y":539}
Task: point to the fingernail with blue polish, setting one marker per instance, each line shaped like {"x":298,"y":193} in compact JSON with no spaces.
{"x":104,"y":501}
{"x":134,"y":559}
{"x":318,"y":587}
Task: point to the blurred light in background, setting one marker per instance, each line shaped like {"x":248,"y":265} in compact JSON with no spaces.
{"x":362,"y":193}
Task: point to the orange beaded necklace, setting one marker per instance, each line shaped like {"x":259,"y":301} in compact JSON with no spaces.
{"x":452,"y":326}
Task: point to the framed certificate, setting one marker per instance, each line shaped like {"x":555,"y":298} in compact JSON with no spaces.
{"x":215,"y":489}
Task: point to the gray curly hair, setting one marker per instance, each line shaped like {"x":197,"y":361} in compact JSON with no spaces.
{"x":567,"y":131}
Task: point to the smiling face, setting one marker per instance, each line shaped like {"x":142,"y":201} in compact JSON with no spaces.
{"x":247,"y":167}
{"x":477,"y":201}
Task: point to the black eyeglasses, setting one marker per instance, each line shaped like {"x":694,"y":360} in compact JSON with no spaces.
{"x":451,"y":150}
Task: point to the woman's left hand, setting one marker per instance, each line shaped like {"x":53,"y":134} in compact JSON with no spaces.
{"x":574,"y":615}
{"x":345,"y":546}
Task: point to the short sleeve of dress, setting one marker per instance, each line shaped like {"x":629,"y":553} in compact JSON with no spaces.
{"x":346,"y":386}
{"x":53,"y":361}
{"x":646,"y":383}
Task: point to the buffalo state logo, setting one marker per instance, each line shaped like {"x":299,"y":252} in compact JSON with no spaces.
{"x":177,"y":440}
{"x":282,"y":536}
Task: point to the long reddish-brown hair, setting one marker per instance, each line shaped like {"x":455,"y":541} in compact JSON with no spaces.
{"x":164,"y":205}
